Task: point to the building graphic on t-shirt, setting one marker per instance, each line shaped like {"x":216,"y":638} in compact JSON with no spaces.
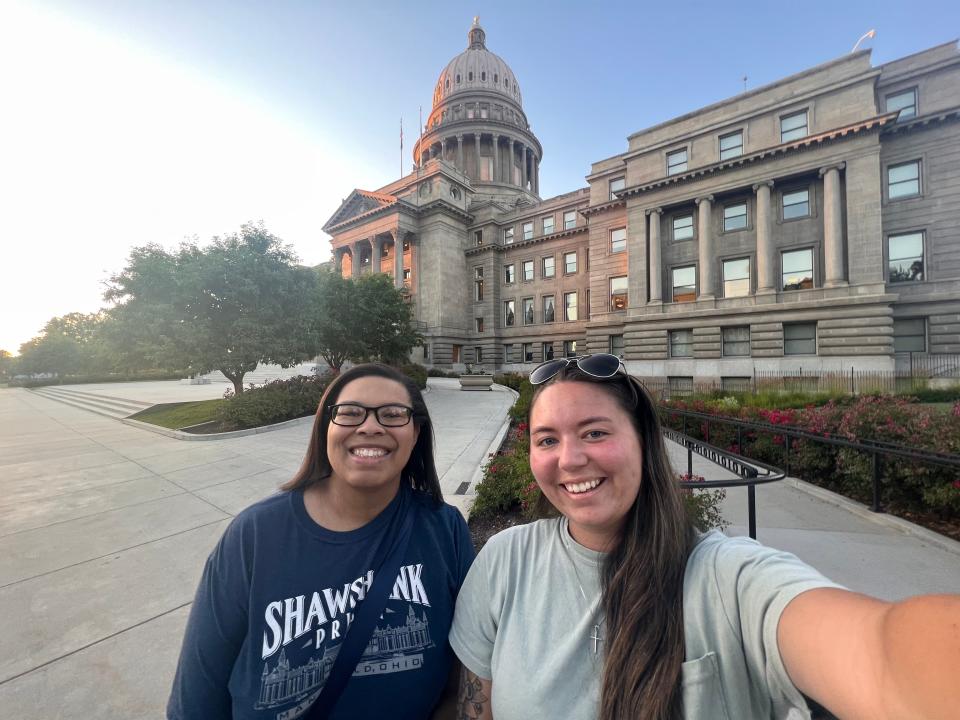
{"x":283,"y":683}
{"x":412,"y":635}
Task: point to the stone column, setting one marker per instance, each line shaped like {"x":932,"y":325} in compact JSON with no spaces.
{"x":706,"y":255}
{"x":654,"y":270}
{"x":523,"y":166}
{"x":536,"y":175}
{"x":338,"y":260}
{"x":766,"y":254}
{"x":496,"y":158}
{"x":375,"y":254}
{"x":397,"y":259}
{"x":460,"y":166}
{"x":476,"y":140}
{"x":355,"y":259}
{"x":510,"y":165}
{"x":832,"y":226}
{"x":443,"y":148}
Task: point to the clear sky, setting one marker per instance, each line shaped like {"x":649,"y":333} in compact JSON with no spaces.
{"x":125,"y":122}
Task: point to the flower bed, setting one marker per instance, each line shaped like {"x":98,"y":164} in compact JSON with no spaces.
{"x":906,"y":485}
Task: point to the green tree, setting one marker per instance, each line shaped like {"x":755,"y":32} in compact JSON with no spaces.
{"x":67,"y":345}
{"x":237,"y":302}
{"x":6,"y":365}
{"x":361,"y":320}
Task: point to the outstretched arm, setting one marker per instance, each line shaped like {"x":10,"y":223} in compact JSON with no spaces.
{"x":865,"y":658}
{"x":473,"y":700}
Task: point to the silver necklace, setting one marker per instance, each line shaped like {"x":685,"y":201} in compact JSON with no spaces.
{"x":595,"y":637}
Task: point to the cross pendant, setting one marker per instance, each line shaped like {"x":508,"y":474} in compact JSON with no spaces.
{"x":596,"y":638}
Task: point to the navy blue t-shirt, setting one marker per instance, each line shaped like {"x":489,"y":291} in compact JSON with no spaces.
{"x":276,"y":598}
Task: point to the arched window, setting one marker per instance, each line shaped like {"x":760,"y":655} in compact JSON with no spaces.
{"x":470,"y":76}
{"x":483,"y":76}
{"x":458,"y":78}
{"x":446,"y":83}
{"x":506,"y":82}
{"x":496,"y":78}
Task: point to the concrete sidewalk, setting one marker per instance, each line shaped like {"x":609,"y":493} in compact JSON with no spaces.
{"x":104,"y":529}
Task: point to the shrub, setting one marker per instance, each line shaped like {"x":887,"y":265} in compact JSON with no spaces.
{"x":138,"y":376}
{"x":931,"y":395}
{"x":272,"y":403}
{"x":417,"y":373}
{"x":438,"y":372}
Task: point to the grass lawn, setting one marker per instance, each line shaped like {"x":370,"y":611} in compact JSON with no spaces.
{"x":941,"y":406}
{"x":179,"y":415}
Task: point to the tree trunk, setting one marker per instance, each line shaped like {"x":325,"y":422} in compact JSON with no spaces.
{"x":236,"y":379}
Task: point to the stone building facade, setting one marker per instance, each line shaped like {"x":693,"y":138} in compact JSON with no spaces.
{"x":813,"y":223}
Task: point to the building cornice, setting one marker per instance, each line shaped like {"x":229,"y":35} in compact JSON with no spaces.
{"x":500,"y":247}
{"x":922,"y":122}
{"x":873,"y":124}
{"x":602,"y":207}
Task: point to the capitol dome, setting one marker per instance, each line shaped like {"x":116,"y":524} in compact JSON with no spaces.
{"x":476,"y":68}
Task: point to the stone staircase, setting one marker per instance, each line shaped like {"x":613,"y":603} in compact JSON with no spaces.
{"x":112,"y":407}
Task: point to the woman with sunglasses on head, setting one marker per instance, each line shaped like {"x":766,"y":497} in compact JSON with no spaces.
{"x":619,"y":608}
{"x":334,"y":598}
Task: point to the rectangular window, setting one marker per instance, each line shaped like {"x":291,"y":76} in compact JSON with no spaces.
{"x":548,"y":308}
{"x":507,"y":236}
{"x":569,"y":348}
{"x":616,"y":346}
{"x":547,"y":350}
{"x":736,"y":384}
{"x":796,"y":204}
{"x":793,"y":126}
{"x":548,"y":225}
{"x":905,"y":254}
{"x":905,"y":102}
{"x":685,"y":284}
{"x":618,"y":293}
{"x":618,"y":240}
{"x":528,"y":352}
{"x":527,"y":230}
{"x":455,"y":353}
{"x":800,"y":339}
{"x":616,"y":185}
{"x":508,"y":273}
{"x":797,"y":269}
{"x":527,"y":267}
{"x":903,"y":180}
{"x":586,"y":308}
{"x":680,"y":386}
{"x":731,"y":145}
{"x":526,"y":305}
{"x":509,"y":313}
{"x":734,"y":217}
{"x":570,"y":262}
{"x":736,"y":277}
{"x":569,"y":219}
{"x":570,"y":306}
{"x":681,"y":343}
{"x":406,"y":277}
{"x":910,"y":335}
{"x":478,"y":237}
{"x":478,"y":354}
{"x":478,"y":284}
{"x":549,"y":267}
{"x":479,"y":324}
{"x":508,"y":352}
{"x":683,"y":227}
{"x":676,"y":161}
{"x":736,"y":341}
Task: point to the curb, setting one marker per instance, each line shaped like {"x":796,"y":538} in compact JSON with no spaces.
{"x":890,"y":521}
{"x":179,"y":435}
{"x":491,"y":448}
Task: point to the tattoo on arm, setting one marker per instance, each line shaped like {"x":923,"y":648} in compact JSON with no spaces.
{"x":473,"y":699}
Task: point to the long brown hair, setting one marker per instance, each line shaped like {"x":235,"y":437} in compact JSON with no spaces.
{"x":420,"y":470}
{"x":642,"y":575}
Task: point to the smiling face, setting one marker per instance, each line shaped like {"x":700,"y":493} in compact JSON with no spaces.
{"x":587,"y":459}
{"x":369,"y":458}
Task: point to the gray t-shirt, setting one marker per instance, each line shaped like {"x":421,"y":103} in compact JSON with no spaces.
{"x":523,"y":622}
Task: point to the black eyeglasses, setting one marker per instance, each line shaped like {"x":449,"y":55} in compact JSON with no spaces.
{"x":352,"y":414}
{"x":599,"y":365}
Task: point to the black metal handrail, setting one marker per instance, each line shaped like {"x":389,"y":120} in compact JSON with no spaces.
{"x":751,"y":472}
{"x":877,"y":449}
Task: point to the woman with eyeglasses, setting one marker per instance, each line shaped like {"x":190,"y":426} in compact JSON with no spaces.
{"x":618,"y":608}
{"x":334,"y":598}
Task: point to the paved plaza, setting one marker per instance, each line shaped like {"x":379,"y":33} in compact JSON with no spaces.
{"x":104,"y":529}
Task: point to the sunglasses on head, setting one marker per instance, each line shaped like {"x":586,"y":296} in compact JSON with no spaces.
{"x":599,"y":365}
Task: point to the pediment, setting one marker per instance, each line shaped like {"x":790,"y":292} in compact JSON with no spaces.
{"x":357,"y":204}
